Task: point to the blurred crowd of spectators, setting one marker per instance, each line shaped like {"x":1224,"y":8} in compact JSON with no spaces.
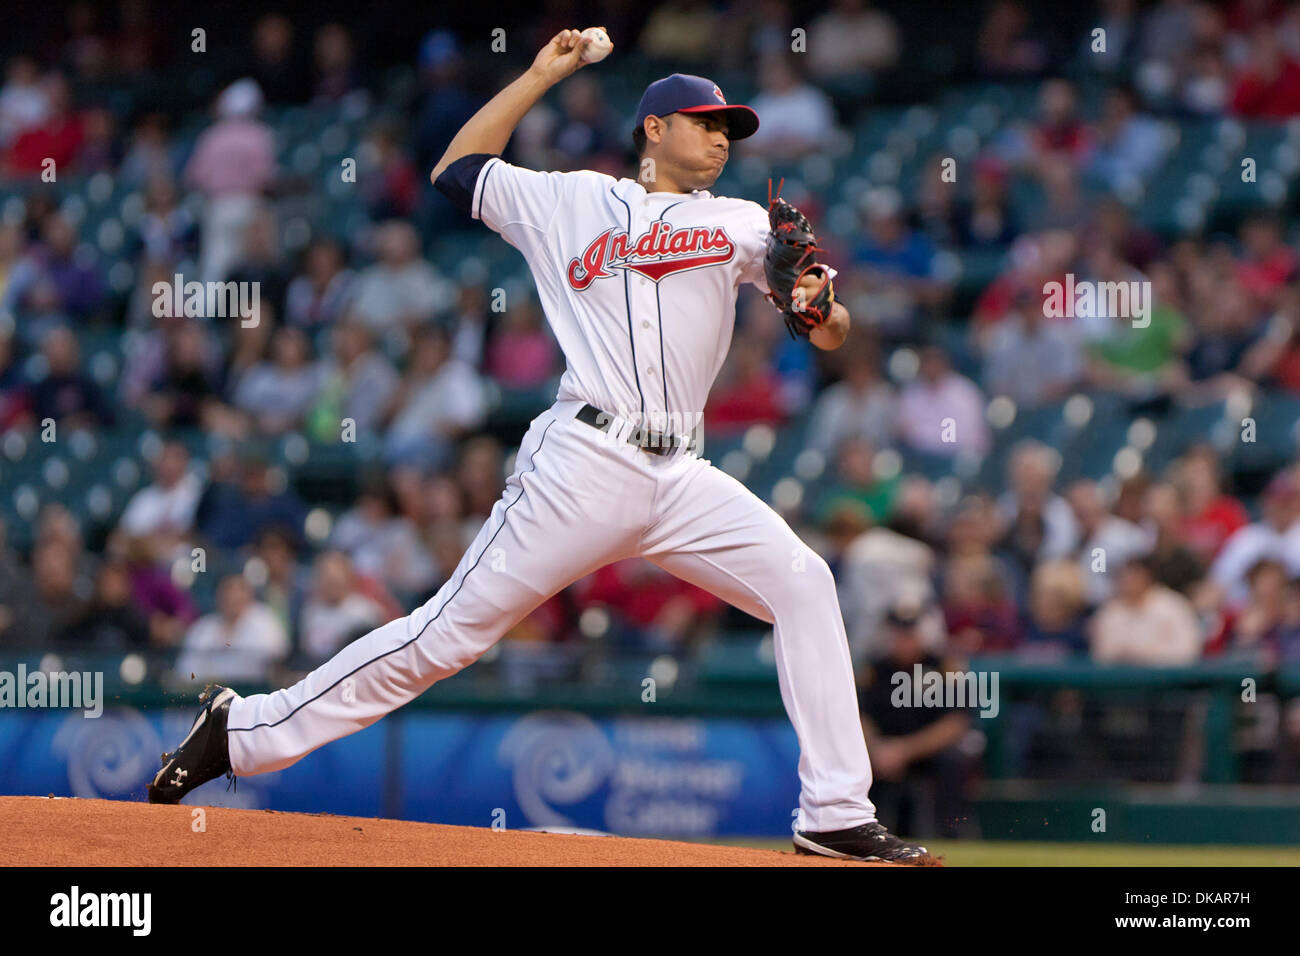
{"x":1157,"y":569}
{"x":1172,"y":572}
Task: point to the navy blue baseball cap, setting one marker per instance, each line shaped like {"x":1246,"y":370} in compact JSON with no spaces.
{"x":683,"y":93}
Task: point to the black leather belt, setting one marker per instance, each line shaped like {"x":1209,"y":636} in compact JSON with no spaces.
{"x":654,"y":443}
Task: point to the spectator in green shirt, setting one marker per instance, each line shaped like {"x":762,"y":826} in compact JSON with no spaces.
{"x":1147,"y":361}
{"x":857,"y":485}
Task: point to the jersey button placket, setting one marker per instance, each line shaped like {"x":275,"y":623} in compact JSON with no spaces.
{"x":645,"y":312}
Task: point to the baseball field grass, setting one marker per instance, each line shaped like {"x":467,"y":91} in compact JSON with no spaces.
{"x":1015,"y":853}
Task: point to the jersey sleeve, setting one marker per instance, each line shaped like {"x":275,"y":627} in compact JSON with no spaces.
{"x":518,"y":203}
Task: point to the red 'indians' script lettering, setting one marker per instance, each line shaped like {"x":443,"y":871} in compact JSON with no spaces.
{"x":660,"y":252}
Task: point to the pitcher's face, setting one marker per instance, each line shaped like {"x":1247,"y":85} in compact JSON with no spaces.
{"x":696,"y":146}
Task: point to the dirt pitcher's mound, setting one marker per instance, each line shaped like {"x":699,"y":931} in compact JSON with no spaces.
{"x":41,"y":831}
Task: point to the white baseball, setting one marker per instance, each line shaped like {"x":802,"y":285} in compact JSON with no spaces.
{"x":598,"y":46}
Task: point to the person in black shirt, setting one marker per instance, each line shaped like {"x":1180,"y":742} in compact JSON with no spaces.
{"x":914,"y":750}
{"x":110,"y":622}
{"x":65,"y":393}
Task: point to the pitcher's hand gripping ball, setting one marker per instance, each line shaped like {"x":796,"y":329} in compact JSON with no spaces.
{"x":791,"y":245}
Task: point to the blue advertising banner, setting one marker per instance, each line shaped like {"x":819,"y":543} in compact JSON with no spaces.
{"x":673,"y":776}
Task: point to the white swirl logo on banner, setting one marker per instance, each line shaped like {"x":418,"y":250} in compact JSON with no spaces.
{"x":557,"y":757}
{"x":110,"y":756}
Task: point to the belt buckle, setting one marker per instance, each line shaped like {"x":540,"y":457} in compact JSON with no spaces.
{"x":640,"y":436}
{"x":652,"y":442}
{"x":675,"y":443}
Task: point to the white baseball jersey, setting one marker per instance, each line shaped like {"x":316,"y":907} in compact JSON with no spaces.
{"x":640,"y":289}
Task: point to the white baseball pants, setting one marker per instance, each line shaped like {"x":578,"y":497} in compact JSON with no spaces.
{"x":580,"y":499}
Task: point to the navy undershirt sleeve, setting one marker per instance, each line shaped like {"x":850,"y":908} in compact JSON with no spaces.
{"x":458,"y":180}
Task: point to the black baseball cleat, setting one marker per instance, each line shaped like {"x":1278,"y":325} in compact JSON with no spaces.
{"x":202,"y":755}
{"x":870,"y":842}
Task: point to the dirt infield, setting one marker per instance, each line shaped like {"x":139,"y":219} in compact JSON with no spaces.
{"x":43,"y":831}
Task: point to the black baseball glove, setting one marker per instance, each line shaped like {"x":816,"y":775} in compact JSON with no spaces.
{"x":791,"y":245}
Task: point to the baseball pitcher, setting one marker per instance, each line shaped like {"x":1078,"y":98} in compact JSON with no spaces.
{"x":638,"y":280}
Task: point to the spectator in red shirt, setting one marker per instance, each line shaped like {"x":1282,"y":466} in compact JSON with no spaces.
{"x":546,"y":623}
{"x":1240,"y":16}
{"x":1034,"y":260}
{"x":665,"y":608}
{"x":751,"y":394}
{"x":1269,"y":87}
{"x":1059,"y":130}
{"x":1211,"y":516}
{"x":392,"y":188}
{"x":1112,"y":225}
{"x":981,"y":618}
{"x":1267,"y":262}
{"x":1274,"y":357}
{"x":58,"y":137}
{"x":23,"y":101}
